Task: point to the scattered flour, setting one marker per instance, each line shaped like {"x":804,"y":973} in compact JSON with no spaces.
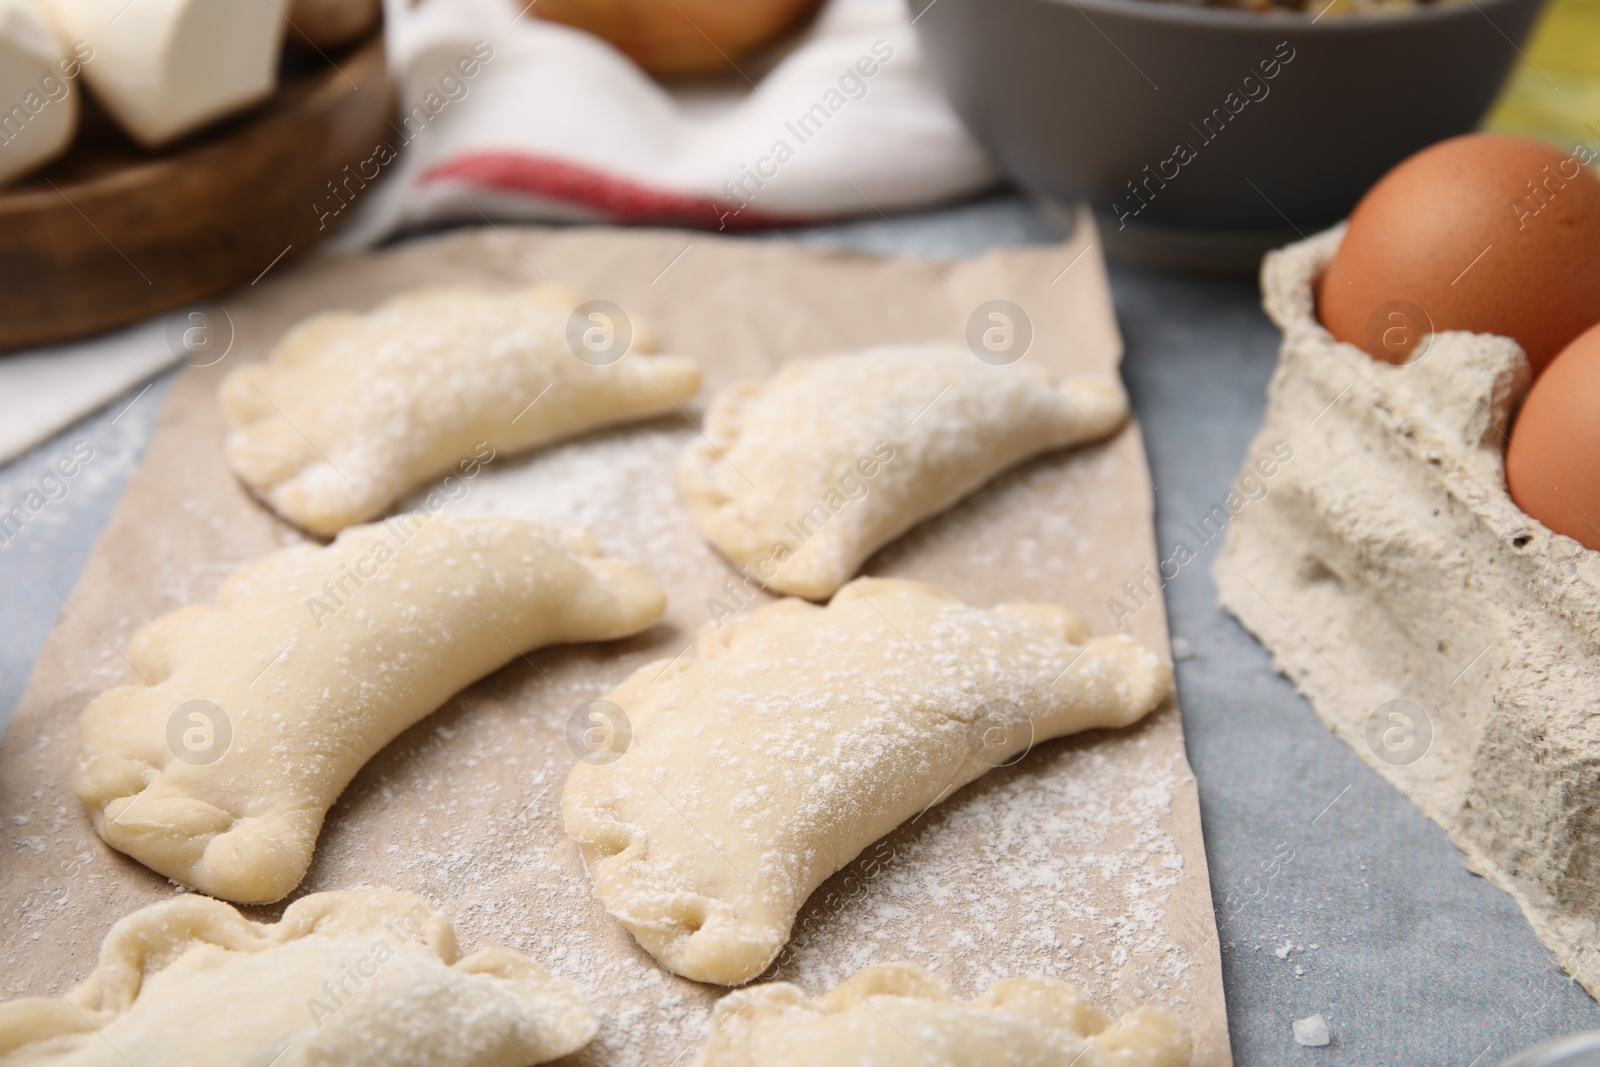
{"x":1061,"y":865}
{"x":1312,"y":1031}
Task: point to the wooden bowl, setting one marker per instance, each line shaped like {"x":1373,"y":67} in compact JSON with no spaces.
{"x":111,"y":234}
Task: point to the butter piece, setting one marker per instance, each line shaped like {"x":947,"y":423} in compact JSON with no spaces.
{"x":164,"y":68}
{"x":1450,"y":639}
{"x":38,"y":94}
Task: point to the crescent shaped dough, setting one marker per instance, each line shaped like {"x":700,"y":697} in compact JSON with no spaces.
{"x":312,"y":661}
{"x":368,"y":976}
{"x":798,"y":735}
{"x":801,"y":478}
{"x":899,"y":1015}
{"x":353,"y":410}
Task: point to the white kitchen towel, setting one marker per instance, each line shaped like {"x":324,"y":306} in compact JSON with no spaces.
{"x":505,"y":117}
{"x":46,"y":390}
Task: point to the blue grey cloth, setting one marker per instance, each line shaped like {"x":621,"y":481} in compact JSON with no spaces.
{"x":1334,"y":894}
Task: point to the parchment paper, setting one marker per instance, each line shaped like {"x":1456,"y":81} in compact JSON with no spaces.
{"x":1083,"y":861}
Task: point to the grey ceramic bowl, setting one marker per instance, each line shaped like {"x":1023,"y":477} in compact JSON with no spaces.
{"x":1579,"y":1050}
{"x":1203,"y":136}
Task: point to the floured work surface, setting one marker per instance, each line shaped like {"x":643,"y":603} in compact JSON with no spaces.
{"x":1082,"y":861}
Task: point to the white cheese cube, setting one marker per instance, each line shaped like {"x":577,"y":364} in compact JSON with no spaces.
{"x":164,"y":68}
{"x":38,"y":90}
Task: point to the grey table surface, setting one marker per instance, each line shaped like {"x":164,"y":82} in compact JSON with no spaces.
{"x":1334,"y":894}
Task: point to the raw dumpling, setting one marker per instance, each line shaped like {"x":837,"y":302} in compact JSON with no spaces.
{"x":368,"y":976}
{"x":801,"y":478}
{"x":255,"y":714}
{"x":353,"y":410}
{"x":798,"y":735}
{"x":899,"y":1015}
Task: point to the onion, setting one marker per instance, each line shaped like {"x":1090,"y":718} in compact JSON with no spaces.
{"x":681,"y":36}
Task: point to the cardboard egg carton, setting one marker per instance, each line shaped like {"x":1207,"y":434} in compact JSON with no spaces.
{"x":1450,"y":639}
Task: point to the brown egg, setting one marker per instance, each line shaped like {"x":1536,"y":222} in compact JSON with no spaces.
{"x":1553,"y":463}
{"x":1488,"y":232}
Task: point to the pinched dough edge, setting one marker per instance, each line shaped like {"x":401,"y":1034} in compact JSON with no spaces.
{"x":740,"y":518}
{"x":669,"y":906}
{"x":153,"y":938}
{"x":233,"y":834}
{"x":350,"y":411}
{"x":747,"y":1023}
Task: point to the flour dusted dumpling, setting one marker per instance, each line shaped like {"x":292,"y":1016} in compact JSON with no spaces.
{"x":899,"y":1015}
{"x":353,"y":410}
{"x":255,"y":714}
{"x":370,"y":977}
{"x":801,"y":478}
{"x":798,"y":735}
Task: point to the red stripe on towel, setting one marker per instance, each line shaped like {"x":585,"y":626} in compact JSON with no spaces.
{"x":618,"y":198}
